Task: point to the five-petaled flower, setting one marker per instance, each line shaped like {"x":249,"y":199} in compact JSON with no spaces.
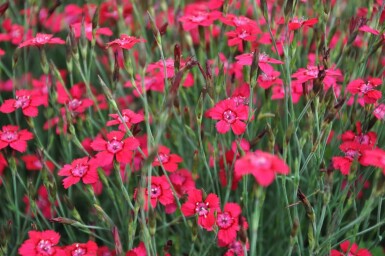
{"x":42,"y":243}
{"x":262,"y":165}
{"x":354,"y":250}
{"x":82,"y":249}
{"x":204,"y":209}
{"x":227,"y":222}
{"x":115,"y":146}
{"x":27,"y":101}
{"x":80,"y":169}
{"x":40,"y":40}
{"x":124,"y":42}
{"x":168,"y":161}
{"x":11,"y":136}
{"x":230,"y":115}
{"x":129,"y":118}
{"x":198,"y":18}
{"x":160,"y":190}
{"x":366,"y":89}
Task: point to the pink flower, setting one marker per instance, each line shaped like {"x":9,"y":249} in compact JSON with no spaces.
{"x":33,"y":163}
{"x":115,"y":146}
{"x":366,"y":89}
{"x":77,"y":28}
{"x":168,"y":161}
{"x":11,"y":136}
{"x":75,"y":100}
{"x":354,"y":250}
{"x":297,"y":23}
{"x":182,"y":181}
{"x":204,"y":209}
{"x":198,"y":18}
{"x":230,"y":115}
{"x":227,"y":222}
{"x":41,"y":244}
{"x":87,"y":249}
{"x":242,"y":33}
{"x":262,"y":165}
{"x":160,"y":191}
{"x":264,"y":60}
{"x":379,"y":112}
{"x":40,"y":40}
{"x":28,"y":101}
{"x":124,"y":42}
{"x":129,"y":118}
{"x":80,"y":169}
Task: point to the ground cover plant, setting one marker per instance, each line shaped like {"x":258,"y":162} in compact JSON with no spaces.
{"x":216,"y":127}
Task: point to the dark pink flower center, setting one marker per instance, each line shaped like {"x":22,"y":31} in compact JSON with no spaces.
{"x":42,"y":39}
{"x":79,"y":170}
{"x":260,"y":161}
{"x":156,"y":191}
{"x":115,"y":146}
{"x":267,"y":78}
{"x":262,"y":57}
{"x":243,"y":34}
{"x":45,"y":247}
{"x":202,"y":209}
{"x":78,"y":252}
{"x":239,"y":21}
{"x":9,"y":136}
{"x":22,"y":101}
{"x":198,"y":18}
{"x":125,"y":119}
{"x":312,"y":71}
{"x":352,"y":154}
{"x":237,"y":248}
{"x":229,"y":116}
{"x":224,"y":220}
{"x":365,"y":88}
{"x":74,"y":104}
{"x":363,"y":139}
{"x":162,"y":158}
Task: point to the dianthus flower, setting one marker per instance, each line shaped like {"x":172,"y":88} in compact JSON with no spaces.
{"x":80,"y":169}
{"x":27,"y":101}
{"x":168,"y":161}
{"x":227,"y":222}
{"x":42,"y":243}
{"x":366,"y":89}
{"x":11,"y":136}
{"x":129,"y":118}
{"x":40,"y":40}
{"x":354,"y":250}
{"x":124,"y":42}
{"x":84,"y":249}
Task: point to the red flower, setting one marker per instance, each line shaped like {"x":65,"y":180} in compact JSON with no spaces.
{"x":182,"y":181}
{"x":105,"y":251}
{"x":124,"y":42}
{"x":241,"y":95}
{"x":266,"y":80}
{"x":40,"y":40}
{"x":203,"y":209}
{"x":236,"y":21}
{"x":115,"y":146}
{"x":75,"y":101}
{"x":33,"y":163}
{"x":236,"y":248}
{"x":354,"y":250}
{"x":199,"y":18}
{"x":241,"y":34}
{"x":11,"y":136}
{"x":312,"y":72}
{"x":262,"y":165}
{"x":297,"y":23}
{"x":375,"y":157}
{"x":41,"y":244}
{"x":80,"y":169}
{"x":167,"y":160}
{"x":138,"y":251}
{"x":230,"y":115}
{"x":77,"y":28}
{"x":366,"y":28}
{"x":366,"y":89}
{"x":129,"y":118}
{"x":87,"y":249}
{"x":28,"y":101}
{"x":246,"y":59}
{"x":227,"y":222}
{"x":160,"y":191}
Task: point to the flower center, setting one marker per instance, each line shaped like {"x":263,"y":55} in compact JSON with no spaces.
{"x":125,"y":119}
{"x":229,"y":116}
{"x":198,"y":18}
{"x":312,"y":71}
{"x":9,"y":136}
{"x":162,"y":158}
{"x":237,"y":248}
{"x":259,"y":161}
{"x":352,"y":154}
{"x":42,"y":39}
{"x":22,"y":101}
{"x":243,"y":34}
{"x":79,"y":170}
{"x":363,"y":139}
{"x":365,"y":88}
{"x":114,"y":146}
{"x":44,"y":247}
{"x":74,"y":104}
{"x":202,"y":209}
{"x":78,"y":252}
{"x":224,"y":220}
{"x":156,"y":191}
